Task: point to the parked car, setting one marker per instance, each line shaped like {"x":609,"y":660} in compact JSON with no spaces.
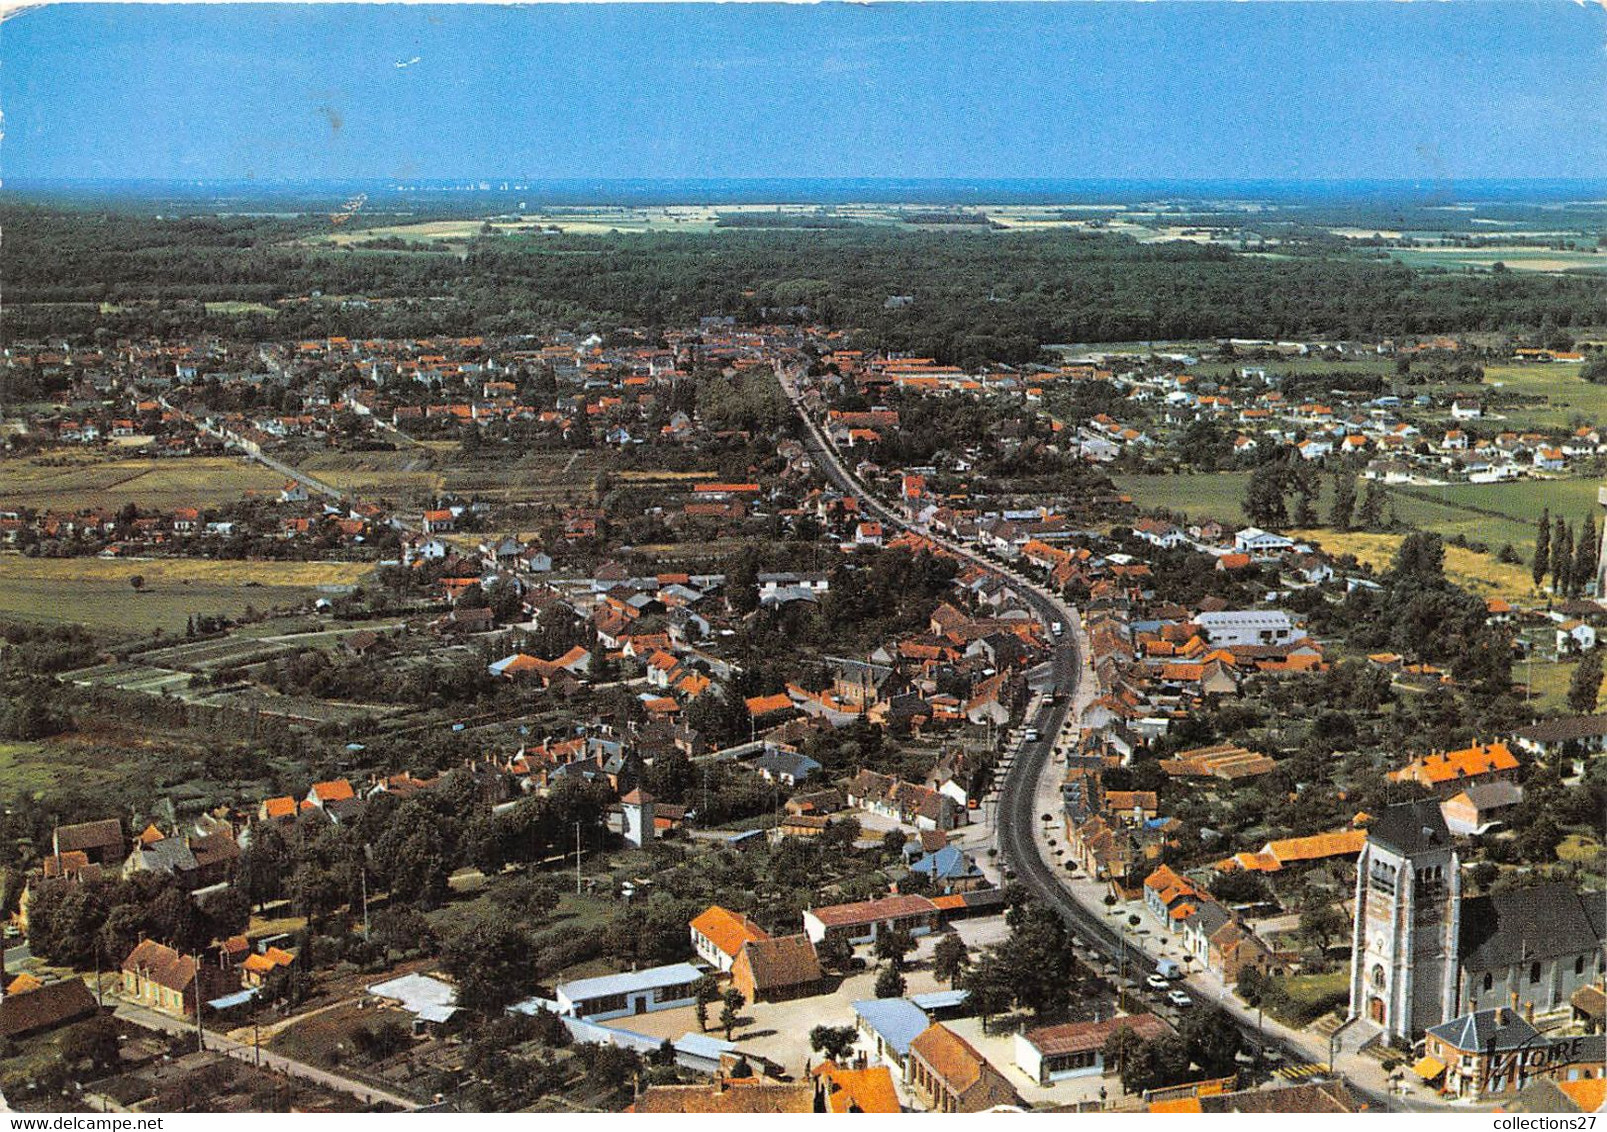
{"x":1180,"y":1000}
{"x":1157,"y":982}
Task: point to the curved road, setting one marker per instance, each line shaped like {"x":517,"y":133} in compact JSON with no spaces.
{"x":1014,"y":819}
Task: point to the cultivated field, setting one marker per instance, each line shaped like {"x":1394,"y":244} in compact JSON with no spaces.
{"x":1480,"y":574}
{"x":235,"y":307}
{"x":534,"y":477}
{"x":73,"y":482}
{"x":98,"y":591}
{"x":1515,"y":258}
{"x":403,"y":475}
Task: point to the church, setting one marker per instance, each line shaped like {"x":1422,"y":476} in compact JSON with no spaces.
{"x":1423,"y":954}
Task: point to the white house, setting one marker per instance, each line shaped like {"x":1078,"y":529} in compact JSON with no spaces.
{"x":634,"y":992}
{"x":1077,"y":1049}
{"x":1574,"y":635}
{"x":1255,"y":541}
{"x":1248,"y":627}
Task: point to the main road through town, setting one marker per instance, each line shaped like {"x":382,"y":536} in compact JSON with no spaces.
{"x":1013,"y":815}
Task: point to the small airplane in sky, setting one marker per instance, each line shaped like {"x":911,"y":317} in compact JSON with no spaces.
{"x":409,"y":63}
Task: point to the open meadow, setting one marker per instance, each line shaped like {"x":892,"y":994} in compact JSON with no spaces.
{"x":1495,"y":515}
{"x":1217,"y":495}
{"x":74,"y":481}
{"x":1479,"y":574}
{"x":1568,"y":398}
{"x":99,"y":592}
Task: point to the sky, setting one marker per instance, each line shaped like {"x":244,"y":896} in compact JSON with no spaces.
{"x":1187,"y":90}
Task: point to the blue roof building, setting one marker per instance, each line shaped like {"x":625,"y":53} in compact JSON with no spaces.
{"x":890,"y":1025}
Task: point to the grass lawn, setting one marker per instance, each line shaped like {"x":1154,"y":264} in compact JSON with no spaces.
{"x":1312,"y":996}
{"x":1548,"y":682}
{"x":97,"y":592}
{"x":24,"y":770}
{"x":1578,"y":847}
{"x":1205,"y":496}
{"x":72,"y":483}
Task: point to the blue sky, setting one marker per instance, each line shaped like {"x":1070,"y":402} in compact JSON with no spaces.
{"x":1164,"y":90}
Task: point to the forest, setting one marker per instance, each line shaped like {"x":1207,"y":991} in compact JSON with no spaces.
{"x":978,"y":295}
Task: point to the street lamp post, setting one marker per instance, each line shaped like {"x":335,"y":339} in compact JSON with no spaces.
{"x":1333,"y":1042}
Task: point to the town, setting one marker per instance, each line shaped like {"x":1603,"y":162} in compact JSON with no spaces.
{"x":898,"y":774}
{"x":607,"y":560}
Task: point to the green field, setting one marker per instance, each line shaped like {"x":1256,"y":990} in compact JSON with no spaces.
{"x":97,"y":592}
{"x":1547,"y":681}
{"x":1312,"y":996}
{"x":535,"y":477}
{"x":24,"y":770}
{"x":1493,"y":514}
{"x":1215,"y":496}
{"x":1569,"y":398}
{"x":72,"y":483}
{"x":399,"y":476}
{"x":1450,"y":510}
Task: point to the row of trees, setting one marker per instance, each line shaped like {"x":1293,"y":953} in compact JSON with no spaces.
{"x":1274,"y":483}
{"x":1570,"y":559}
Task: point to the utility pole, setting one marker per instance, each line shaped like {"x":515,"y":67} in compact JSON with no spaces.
{"x":200,"y":1034}
{"x":365,"y":901}
{"x":577,"y":858}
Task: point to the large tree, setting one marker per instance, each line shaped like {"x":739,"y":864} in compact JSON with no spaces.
{"x":1373,"y":502}
{"x":833,"y":1042}
{"x":1344,"y":504}
{"x":892,"y":946}
{"x":1584,"y":571}
{"x":890,"y":983}
{"x":950,"y":958}
{"x":1542,"y":548}
{"x":1562,"y":550}
{"x":490,"y":959}
{"x":1263,"y":496}
{"x":1584,"y":687}
{"x":733,"y":1001}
